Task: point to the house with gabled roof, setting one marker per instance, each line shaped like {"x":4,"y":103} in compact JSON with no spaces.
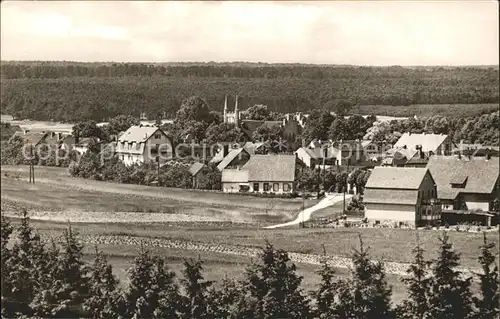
{"x":414,"y":150}
{"x":401,"y":194}
{"x":262,"y":174}
{"x":143,"y":144}
{"x":197,"y":171}
{"x":465,"y":183}
{"x":235,"y":158}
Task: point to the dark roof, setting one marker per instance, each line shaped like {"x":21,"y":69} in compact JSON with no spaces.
{"x":230,"y":157}
{"x":31,"y":137}
{"x":482,"y":174}
{"x":396,"y":177}
{"x":390,"y":196}
{"x":196,"y":168}
{"x":271,"y":168}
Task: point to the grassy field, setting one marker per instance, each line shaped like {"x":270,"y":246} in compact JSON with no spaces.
{"x":55,"y":190}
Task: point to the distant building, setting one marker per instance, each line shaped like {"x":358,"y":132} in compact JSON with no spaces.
{"x":197,"y":171}
{"x":341,"y":153}
{"x":464,"y":183}
{"x":403,"y":195}
{"x":469,"y":150}
{"x":414,"y":150}
{"x":235,"y":158}
{"x":262,"y":174}
{"x":234,"y":116}
{"x":141,"y":144}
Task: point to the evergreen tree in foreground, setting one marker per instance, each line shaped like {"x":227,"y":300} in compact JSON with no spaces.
{"x":488,"y":304}
{"x":6,"y":231}
{"x":450,"y":295}
{"x":103,"y":301}
{"x":195,"y":300}
{"x":68,"y":286}
{"x":417,"y":282}
{"x":25,"y":267}
{"x":370,"y":294}
{"x":152,"y":292}
{"x":328,"y":294}
{"x":273,"y":288}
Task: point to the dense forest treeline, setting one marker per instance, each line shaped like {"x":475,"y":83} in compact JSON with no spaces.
{"x":70,"y":92}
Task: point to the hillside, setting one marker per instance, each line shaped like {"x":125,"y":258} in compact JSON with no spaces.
{"x":65,"y":91}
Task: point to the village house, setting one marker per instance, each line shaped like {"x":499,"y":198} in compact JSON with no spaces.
{"x":262,"y":174}
{"x":465,"y":149}
{"x":401,"y":194}
{"x":329,"y":154}
{"x":141,"y":144}
{"x":414,"y":150}
{"x":465,"y":183}
{"x":197,"y":171}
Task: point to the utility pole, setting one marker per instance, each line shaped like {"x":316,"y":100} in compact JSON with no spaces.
{"x":32,"y":166}
{"x":157,"y":171}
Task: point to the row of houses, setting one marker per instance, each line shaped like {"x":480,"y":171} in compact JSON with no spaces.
{"x":418,"y":195}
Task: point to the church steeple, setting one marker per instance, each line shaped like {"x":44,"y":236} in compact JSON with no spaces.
{"x":236,"y":113}
{"x":224,"y":119}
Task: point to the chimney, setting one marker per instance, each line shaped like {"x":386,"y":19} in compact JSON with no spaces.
{"x":225,"y":150}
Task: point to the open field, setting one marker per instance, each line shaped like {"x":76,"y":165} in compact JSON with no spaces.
{"x":224,"y":230}
{"x":55,"y":190}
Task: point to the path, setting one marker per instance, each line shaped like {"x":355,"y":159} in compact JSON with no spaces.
{"x":305,"y":215}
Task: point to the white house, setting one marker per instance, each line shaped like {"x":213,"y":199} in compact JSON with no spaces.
{"x":262,"y":174}
{"x":143,"y":144}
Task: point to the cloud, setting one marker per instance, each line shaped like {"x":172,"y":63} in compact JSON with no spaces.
{"x":365,"y":33}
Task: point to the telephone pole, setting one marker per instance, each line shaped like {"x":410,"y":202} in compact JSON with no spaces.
{"x":32,"y":166}
{"x":158,"y":171}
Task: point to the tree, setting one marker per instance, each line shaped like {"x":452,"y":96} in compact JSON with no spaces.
{"x":25,"y":267}
{"x":6,"y":232}
{"x":152,"y":292}
{"x":327,"y":294}
{"x":258,"y":112}
{"x":104,"y":297}
{"x":352,"y":178}
{"x":120,"y":123}
{"x":450,"y":295}
{"x":195,"y":301}
{"x":69,"y":286}
{"x":223,"y":301}
{"x":488,"y":304}
{"x":195,"y":109}
{"x":370,"y":293}
{"x":418,"y":284}
{"x":87,"y":129}
{"x":273,"y":288}
{"x":339,"y":130}
{"x":269,"y":133}
{"x":317,"y":125}
{"x":223,"y":133}
{"x":358,"y":126}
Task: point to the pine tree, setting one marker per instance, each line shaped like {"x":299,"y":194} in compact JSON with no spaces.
{"x":488,"y":304}
{"x":27,"y":256}
{"x":195,"y":301}
{"x":417,"y":306}
{"x":327,"y":293}
{"x":223,"y":301}
{"x":69,"y":284}
{"x":6,"y":232}
{"x":103,"y":301}
{"x":152,"y":292}
{"x":273,"y":288}
{"x":450,"y":295}
{"x":367,"y":294}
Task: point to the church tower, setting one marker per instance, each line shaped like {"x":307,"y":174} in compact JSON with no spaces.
{"x":224,"y":118}
{"x":236,"y":113}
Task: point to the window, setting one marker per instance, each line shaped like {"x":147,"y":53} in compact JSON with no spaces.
{"x":266,"y":187}
{"x":138,"y":146}
{"x":255,"y":187}
{"x":157,"y":135}
{"x":123,"y":157}
{"x":286,"y":187}
{"x":276,"y":187}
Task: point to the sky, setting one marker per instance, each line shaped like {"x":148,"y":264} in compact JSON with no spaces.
{"x":327,"y":32}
